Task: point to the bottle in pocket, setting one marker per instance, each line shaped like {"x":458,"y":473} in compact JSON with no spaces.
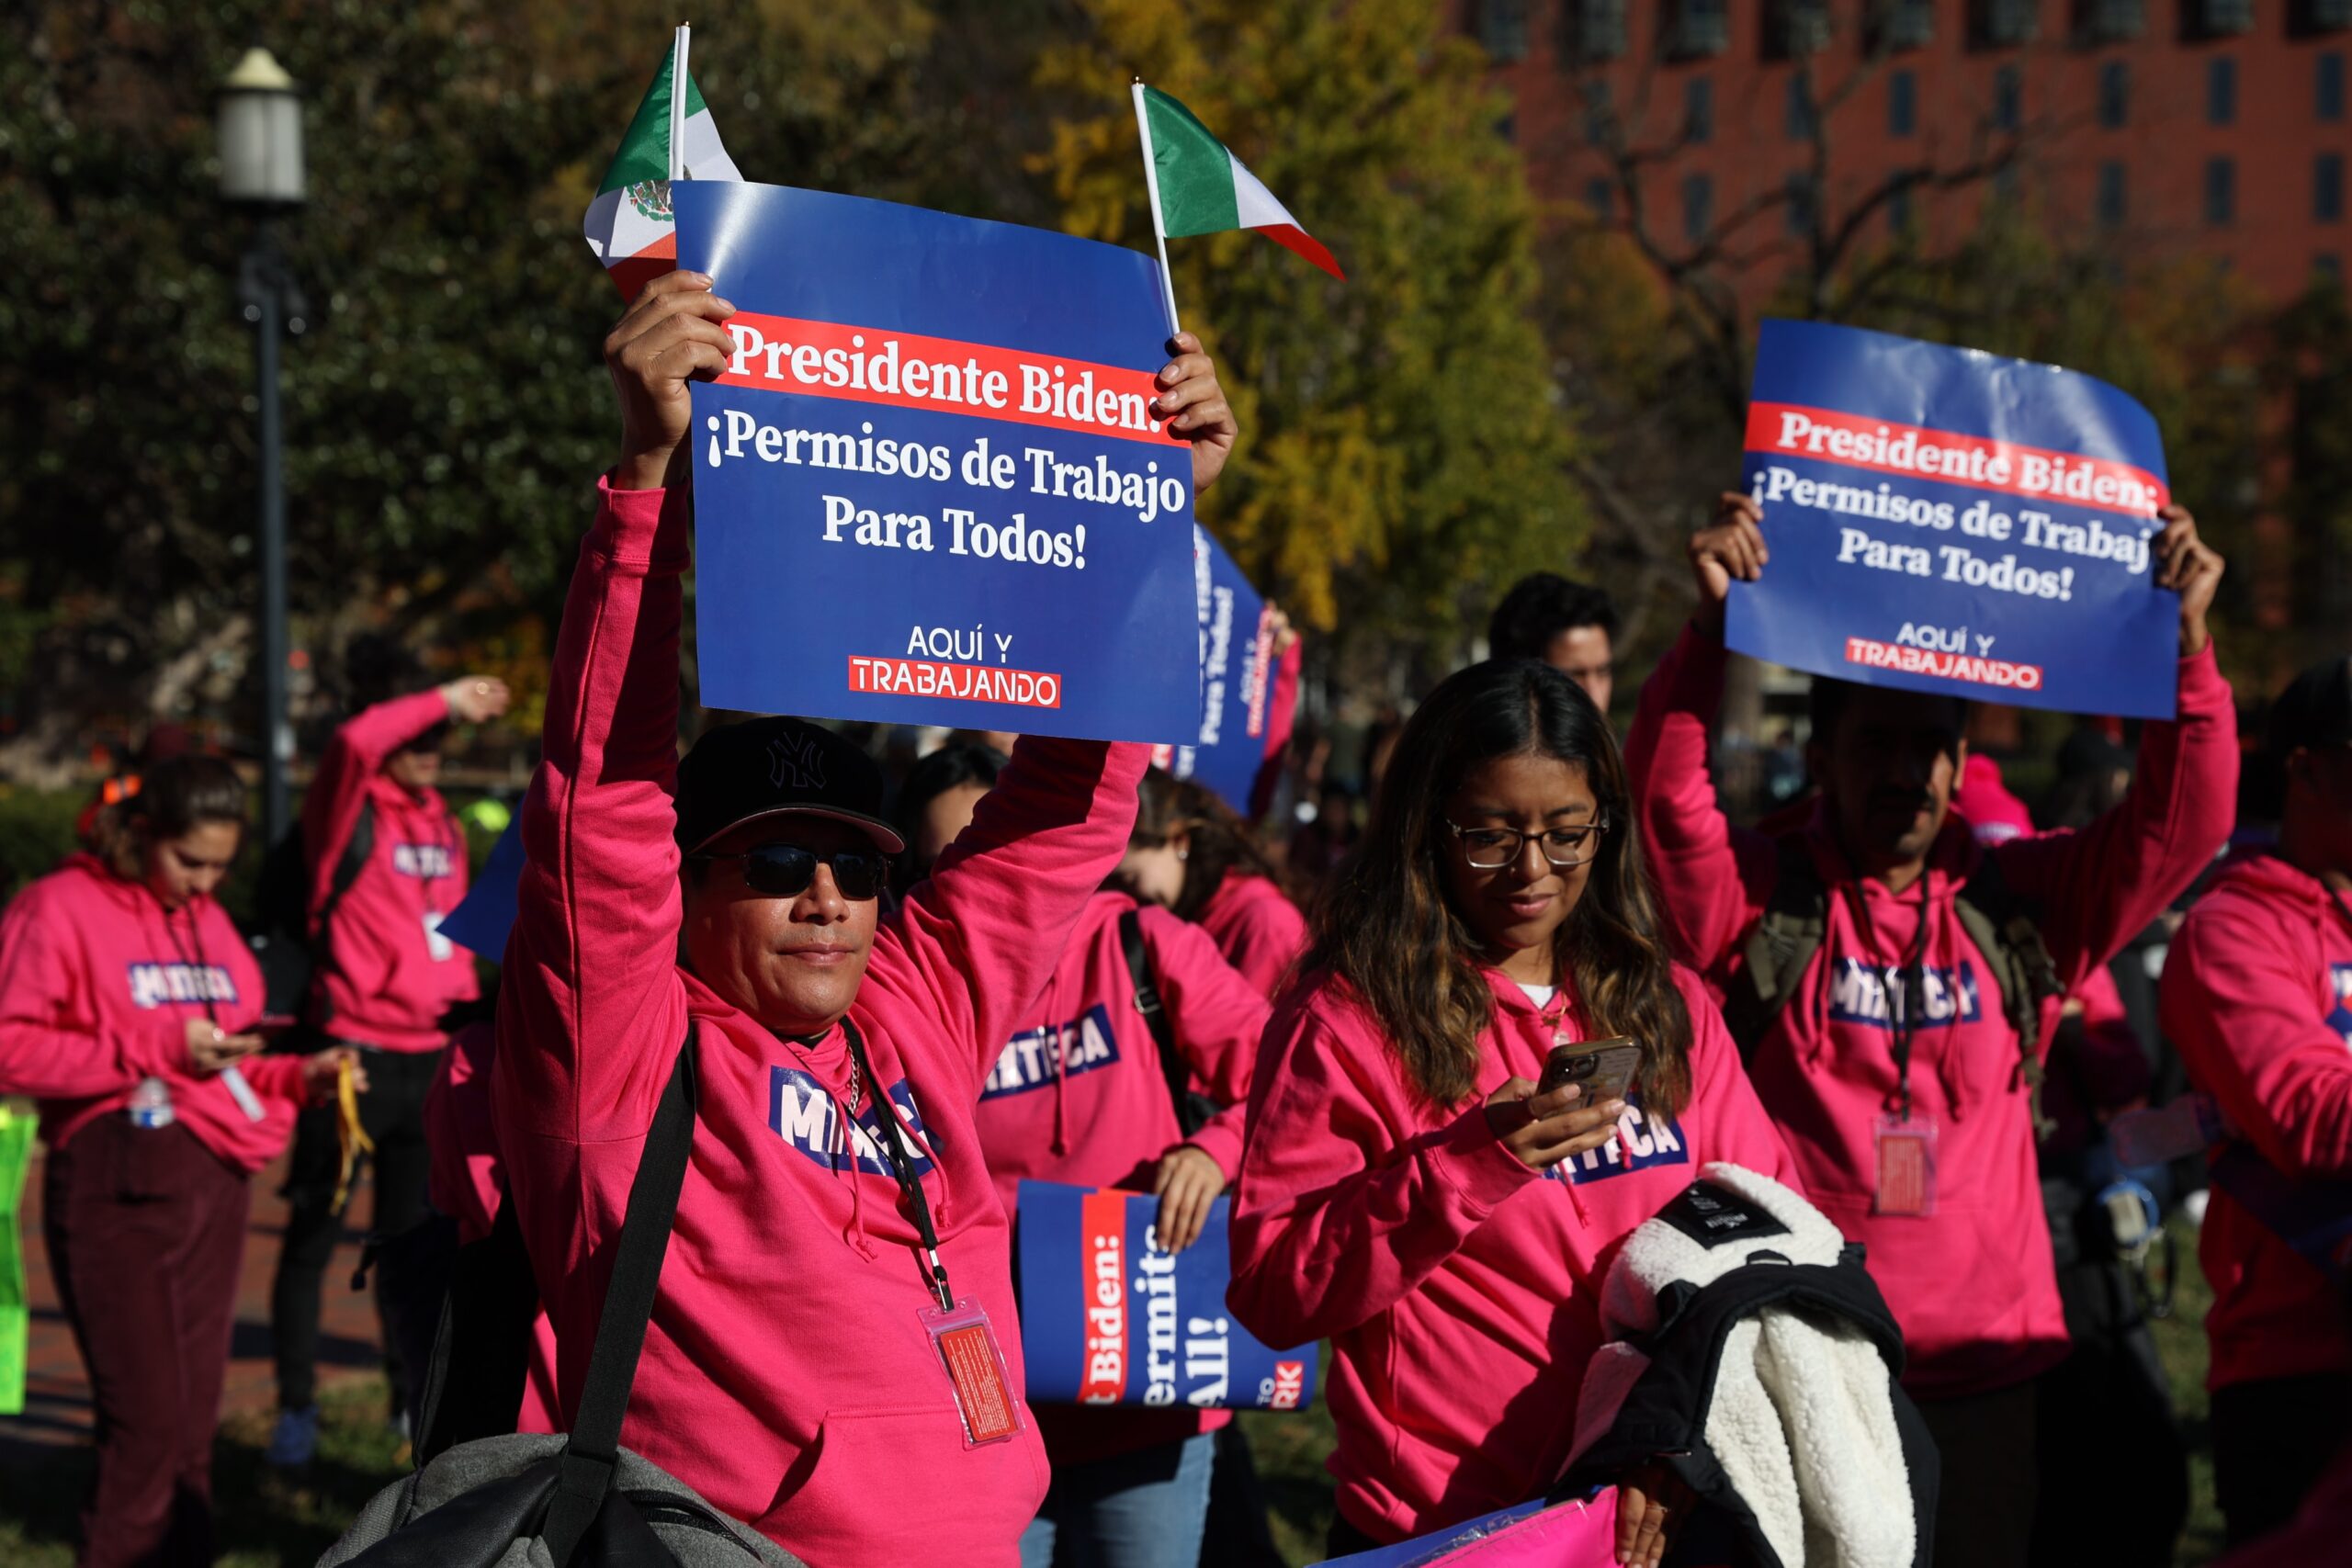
{"x":150,"y":1104}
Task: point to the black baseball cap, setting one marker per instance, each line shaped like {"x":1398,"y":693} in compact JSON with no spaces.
{"x":2314,"y":712}
{"x":778,"y":767}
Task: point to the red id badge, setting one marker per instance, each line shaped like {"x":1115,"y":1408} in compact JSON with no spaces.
{"x":968,"y":1349}
{"x":1907,"y":1167}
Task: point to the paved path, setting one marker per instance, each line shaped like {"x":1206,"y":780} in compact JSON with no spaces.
{"x":57,"y":1394}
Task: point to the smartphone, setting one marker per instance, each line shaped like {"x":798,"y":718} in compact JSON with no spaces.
{"x":271,"y":1025}
{"x":1603,"y":1069}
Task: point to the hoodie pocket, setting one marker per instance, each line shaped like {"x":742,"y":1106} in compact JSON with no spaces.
{"x":867,"y":1457}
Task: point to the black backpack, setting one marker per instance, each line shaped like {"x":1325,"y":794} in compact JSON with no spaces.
{"x":512,"y":1501}
{"x":281,"y":940}
{"x":2003,"y":927}
{"x":1193,"y":1109}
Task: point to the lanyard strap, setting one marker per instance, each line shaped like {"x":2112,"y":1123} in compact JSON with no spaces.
{"x":901,"y":1162}
{"x":198,"y":974}
{"x":1906,"y":985}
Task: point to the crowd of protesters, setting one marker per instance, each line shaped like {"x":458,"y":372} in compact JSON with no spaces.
{"x":1028,"y":958}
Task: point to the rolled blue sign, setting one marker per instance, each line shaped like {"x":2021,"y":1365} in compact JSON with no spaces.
{"x":1110,"y":1317}
{"x":1244,"y":703}
{"x":486,"y":914}
{"x":1949,"y":521}
{"x":929,"y":484}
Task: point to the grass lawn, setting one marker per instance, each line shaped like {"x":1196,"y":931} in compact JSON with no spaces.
{"x":266,"y":1523}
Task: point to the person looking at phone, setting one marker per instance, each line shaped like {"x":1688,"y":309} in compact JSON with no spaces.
{"x":127,"y":1002}
{"x":1887,"y":977}
{"x":793,"y":1372}
{"x":385,"y":859}
{"x":1406,"y":1189}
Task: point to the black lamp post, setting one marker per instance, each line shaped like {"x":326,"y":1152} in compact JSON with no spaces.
{"x":261,"y":173}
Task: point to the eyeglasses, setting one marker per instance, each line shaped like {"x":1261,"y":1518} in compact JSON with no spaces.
{"x":785,"y":870}
{"x":1491,"y":849}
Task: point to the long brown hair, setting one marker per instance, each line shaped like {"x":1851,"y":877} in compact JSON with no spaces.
{"x":1386,"y":927}
{"x":175,"y":797}
{"x":1220,"y":844}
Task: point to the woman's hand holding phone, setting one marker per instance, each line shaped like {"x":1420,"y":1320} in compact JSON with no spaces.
{"x":211,"y":1048}
{"x":1542,"y":1128}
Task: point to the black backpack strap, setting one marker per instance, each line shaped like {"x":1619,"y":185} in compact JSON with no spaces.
{"x":594,"y":1452}
{"x":2006,"y":930}
{"x":1172,"y":1065}
{"x":347,"y":867}
{"x":1794,"y":924}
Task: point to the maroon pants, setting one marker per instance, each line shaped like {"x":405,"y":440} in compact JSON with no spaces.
{"x":146,"y":1231}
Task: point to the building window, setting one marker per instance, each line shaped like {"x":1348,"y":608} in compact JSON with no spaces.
{"x":1699,"y":109}
{"x":2004,"y":185}
{"x":1502,"y":29}
{"x":2325,"y":15}
{"x":2221,"y":191}
{"x":1597,"y":29}
{"x":2002,"y":24}
{"x":2110,"y":194}
{"x":1507,"y":127}
{"x":1802,"y":205}
{"x":2114,"y":95}
{"x":1599,"y":195}
{"x":2008,"y":99}
{"x":1803,"y":120}
{"x":2222,"y":18}
{"x":1900,"y":217}
{"x":2112,"y":21}
{"x":1902,"y":103}
{"x":1701,"y":27}
{"x":1599,"y":114}
{"x":2328,"y":188}
{"x":1698,"y":207}
{"x":2222,"y":91}
{"x":1904,"y":24}
{"x":2327,"y":267}
{"x":1794,"y":28}
{"x":2327,"y":87}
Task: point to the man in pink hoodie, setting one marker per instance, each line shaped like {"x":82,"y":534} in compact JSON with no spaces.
{"x":2258,"y":995}
{"x":790,"y":1372}
{"x":387,"y":863}
{"x":1891,"y":1063}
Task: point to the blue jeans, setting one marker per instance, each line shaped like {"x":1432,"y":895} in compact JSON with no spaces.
{"x":1137,"y":1510}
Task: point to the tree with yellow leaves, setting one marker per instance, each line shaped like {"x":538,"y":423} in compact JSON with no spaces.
{"x":1405,"y":454}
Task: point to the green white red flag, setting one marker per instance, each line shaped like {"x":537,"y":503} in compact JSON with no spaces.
{"x":1198,"y":186}
{"x":629,"y":224}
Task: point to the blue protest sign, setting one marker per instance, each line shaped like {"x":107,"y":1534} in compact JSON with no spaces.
{"x":1245,"y":714}
{"x":1109,"y":1318}
{"x":929,"y":488}
{"x":485,"y":916}
{"x":1947,"y":521}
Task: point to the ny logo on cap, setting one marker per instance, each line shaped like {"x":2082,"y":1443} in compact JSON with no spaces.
{"x":794,"y":763}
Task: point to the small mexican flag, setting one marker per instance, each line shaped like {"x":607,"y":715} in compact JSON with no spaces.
{"x":1200,"y":188}
{"x":629,"y":225}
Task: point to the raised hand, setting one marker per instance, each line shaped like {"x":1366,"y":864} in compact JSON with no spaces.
{"x":668,"y":335}
{"x":1192,"y":404}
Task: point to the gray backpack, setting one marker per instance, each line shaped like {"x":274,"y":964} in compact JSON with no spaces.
{"x":582,"y":1500}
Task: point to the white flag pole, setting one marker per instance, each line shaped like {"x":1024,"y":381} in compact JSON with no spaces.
{"x":1151,"y":185}
{"x":678,"y":105}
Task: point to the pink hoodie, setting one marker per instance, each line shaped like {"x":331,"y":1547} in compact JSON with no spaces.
{"x":787,"y":1373}
{"x":388,"y":974}
{"x":97,"y":985}
{"x":2257,"y":997}
{"x":467,"y":1184}
{"x":1094,"y":1111}
{"x":1257,"y":927}
{"x":1458,"y":1287}
{"x":1973,"y":1284}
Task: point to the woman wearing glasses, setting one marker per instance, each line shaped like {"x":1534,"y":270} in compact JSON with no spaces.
{"x":1406,"y":1192}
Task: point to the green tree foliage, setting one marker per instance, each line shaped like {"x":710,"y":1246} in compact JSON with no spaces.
{"x":446,"y":410}
{"x":1404,"y":449}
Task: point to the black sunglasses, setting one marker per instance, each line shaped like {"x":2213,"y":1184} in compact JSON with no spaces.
{"x":785,"y":870}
